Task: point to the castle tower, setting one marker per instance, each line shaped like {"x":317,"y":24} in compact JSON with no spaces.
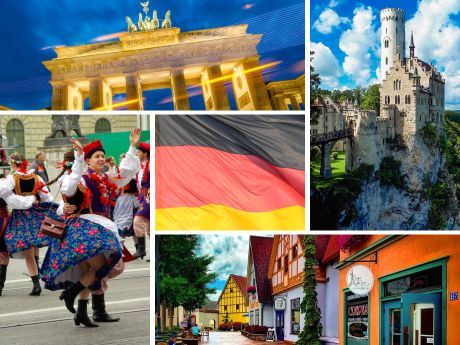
{"x":392,"y":39}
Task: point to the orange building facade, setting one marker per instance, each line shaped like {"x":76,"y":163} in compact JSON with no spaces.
{"x":415,"y":296}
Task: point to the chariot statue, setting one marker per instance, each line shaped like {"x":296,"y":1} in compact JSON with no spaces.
{"x":166,"y":24}
{"x":131,"y":26}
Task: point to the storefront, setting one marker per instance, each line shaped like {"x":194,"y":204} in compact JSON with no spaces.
{"x":414,"y":297}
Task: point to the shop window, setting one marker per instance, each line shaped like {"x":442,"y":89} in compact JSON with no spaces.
{"x":428,"y":279}
{"x":357,"y":319}
{"x":295,"y":316}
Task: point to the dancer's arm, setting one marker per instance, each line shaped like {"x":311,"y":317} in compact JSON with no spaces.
{"x":130,"y":165}
{"x":69,"y":183}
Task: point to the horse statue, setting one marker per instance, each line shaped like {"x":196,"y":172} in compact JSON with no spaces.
{"x":140,"y":23}
{"x":166,"y":24}
{"x":155,"y":23}
{"x":131,"y":26}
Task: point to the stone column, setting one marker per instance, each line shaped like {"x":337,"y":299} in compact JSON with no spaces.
{"x":179,"y":90}
{"x":280,"y":103}
{"x":348,"y":154}
{"x":133,"y":92}
{"x":294,"y":103}
{"x":214,"y":92}
{"x":96,"y":94}
{"x":249,"y":86}
{"x":59,"y":97}
{"x":326,"y":169}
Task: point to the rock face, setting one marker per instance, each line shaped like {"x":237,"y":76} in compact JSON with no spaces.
{"x":388,"y":208}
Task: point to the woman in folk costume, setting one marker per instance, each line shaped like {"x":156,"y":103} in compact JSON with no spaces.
{"x":17,"y":202}
{"x":87,"y":252}
{"x":142,"y":217}
{"x":103,"y":189}
{"x":22,"y":234}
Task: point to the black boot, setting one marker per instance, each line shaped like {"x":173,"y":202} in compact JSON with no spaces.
{"x":69,"y":296}
{"x":140,"y":252}
{"x":82,"y":314}
{"x":2,"y":277}
{"x":36,"y":290}
{"x":37,"y":261}
{"x":99,"y":313}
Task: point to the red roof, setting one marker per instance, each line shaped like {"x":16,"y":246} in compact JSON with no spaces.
{"x":261,"y":248}
{"x":332,"y":250}
{"x":241,"y":283}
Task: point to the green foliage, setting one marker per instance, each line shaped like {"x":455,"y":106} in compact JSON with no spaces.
{"x":315,"y":152}
{"x":184,"y":276}
{"x":390,"y":173}
{"x":226,"y":318}
{"x":315,"y":82}
{"x":371,"y":99}
{"x":311,"y":333}
{"x":430,"y":135}
{"x":439,"y":194}
{"x":334,"y":205}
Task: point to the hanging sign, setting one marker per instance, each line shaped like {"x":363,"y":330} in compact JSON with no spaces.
{"x":360,"y":280}
{"x":280,"y":303}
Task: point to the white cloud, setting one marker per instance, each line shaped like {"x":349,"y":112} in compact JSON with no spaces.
{"x":215,"y":296}
{"x":327,"y":20}
{"x":334,"y":3}
{"x":358,"y":43}
{"x":325,"y":63}
{"x":230,"y":254}
{"x":437,"y":37}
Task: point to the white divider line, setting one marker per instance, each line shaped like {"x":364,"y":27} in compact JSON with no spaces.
{"x":125,"y":271}
{"x":37,"y":311}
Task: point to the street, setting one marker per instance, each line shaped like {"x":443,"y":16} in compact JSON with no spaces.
{"x":28,"y":320}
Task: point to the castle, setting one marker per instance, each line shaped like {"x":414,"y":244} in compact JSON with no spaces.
{"x":412,"y":94}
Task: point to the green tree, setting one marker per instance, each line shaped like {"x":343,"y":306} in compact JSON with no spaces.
{"x":311,"y":332}
{"x":315,"y":82}
{"x":347,"y":95}
{"x":226,"y":318}
{"x":371,"y":99}
{"x":184,"y":276}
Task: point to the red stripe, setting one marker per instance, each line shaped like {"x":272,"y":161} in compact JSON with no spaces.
{"x":193,"y":176}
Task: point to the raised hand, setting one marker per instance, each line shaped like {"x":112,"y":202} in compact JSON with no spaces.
{"x":134,"y":137}
{"x":77,"y":146}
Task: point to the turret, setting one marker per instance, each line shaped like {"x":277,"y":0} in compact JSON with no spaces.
{"x":393,"y":37}
{"x":412,"y":45}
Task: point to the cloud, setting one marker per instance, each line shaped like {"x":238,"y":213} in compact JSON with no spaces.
{"x":215,"y":296}
{"x":358,"y":43}
{"x":327,"y":20}
{"x":334,"y":3}
{"x":437,"y":37}
{"x":230,"y":253}
{"x":325,"y":63}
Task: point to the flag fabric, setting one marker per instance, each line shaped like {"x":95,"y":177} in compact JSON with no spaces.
{"x":230,"y":172}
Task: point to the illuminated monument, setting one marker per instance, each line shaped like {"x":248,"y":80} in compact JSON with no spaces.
{"x":151,"y":56}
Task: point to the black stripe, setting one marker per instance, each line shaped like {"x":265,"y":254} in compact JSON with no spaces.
{"x":279,"y":139}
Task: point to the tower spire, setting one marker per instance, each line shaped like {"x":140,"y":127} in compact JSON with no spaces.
{"x":412,"y":45}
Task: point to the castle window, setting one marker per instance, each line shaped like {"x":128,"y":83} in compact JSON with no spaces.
{"x":402,"y":114}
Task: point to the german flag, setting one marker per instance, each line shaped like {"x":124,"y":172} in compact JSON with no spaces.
{"x":230,"y":172}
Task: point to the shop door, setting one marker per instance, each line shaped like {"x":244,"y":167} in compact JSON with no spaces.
{"x":421,"y":319}
{"x":280,"y":325}
{"x":392,"y":323}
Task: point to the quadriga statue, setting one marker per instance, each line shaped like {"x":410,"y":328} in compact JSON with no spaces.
{"x":155,"y":23}
{"x":166,"y":24}
{"x":131,"y":26}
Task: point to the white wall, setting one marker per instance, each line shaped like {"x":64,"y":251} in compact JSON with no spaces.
{"x":268,"y":315}
{"x":330,"y":315}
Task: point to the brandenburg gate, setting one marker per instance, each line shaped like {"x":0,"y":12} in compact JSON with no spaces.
{"x":147,"y":57}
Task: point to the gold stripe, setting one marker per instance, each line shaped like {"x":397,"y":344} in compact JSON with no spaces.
{"x":219,"y":217}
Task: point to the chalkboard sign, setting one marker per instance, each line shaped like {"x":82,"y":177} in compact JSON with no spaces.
{"x":271,"y":335}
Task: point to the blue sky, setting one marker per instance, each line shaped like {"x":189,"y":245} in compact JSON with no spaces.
{"x":231,"y":257}
{"x":30,"y":26}
{"x":346,"y":38}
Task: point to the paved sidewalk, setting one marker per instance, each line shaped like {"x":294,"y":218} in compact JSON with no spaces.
{"x":231,"y":338}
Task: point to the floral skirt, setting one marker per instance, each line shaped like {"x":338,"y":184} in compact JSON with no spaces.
{"x":83,"y":240}
{"x":23,"y":230}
